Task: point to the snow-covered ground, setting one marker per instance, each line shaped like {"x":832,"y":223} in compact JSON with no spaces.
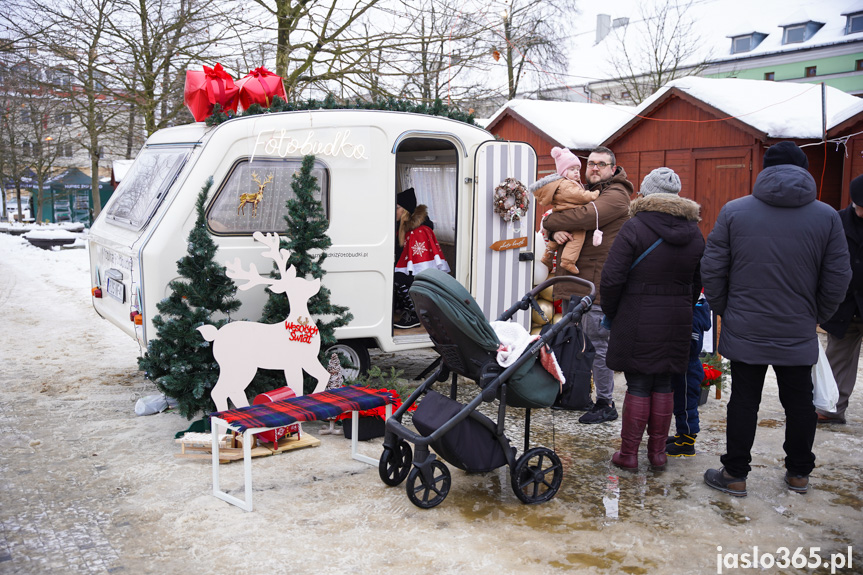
{"x":89,"y":487}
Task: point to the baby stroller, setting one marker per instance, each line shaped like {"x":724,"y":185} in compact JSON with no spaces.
{"x":458,"y":433}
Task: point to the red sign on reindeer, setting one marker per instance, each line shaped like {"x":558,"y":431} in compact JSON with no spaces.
{"x":241,"y":347}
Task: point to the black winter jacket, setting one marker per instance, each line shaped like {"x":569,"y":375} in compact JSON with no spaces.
{"x":650,"y":305}
{"x":776,"y":264}
{"x":853,"y":303}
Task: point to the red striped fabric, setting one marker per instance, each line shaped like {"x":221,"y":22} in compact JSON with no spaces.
{"x":324,"y":405}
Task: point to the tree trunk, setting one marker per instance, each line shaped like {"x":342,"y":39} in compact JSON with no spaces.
{"x":94,"y":185}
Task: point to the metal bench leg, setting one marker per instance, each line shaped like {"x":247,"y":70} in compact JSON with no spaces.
{"x":246,"y":504}
{"x":355,"y":431}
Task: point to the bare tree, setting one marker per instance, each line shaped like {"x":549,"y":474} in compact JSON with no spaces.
{"x":158,"y":41}
{"x":330,"y":43}
{"x":13,"y":137}
{"x":660,"y":47}
{"x":34,"y":125}
{"x":438,"y":56}
{"x":71,"y":40}
{"x":532,"y":32}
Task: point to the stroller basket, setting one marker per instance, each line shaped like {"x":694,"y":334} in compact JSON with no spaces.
{"x":471,"y":445}
{"x":458,"y":433}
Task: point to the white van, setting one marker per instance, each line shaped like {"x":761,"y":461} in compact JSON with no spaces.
{"x":363,"y":158}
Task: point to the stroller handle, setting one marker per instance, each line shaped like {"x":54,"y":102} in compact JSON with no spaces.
{"x":564,"y":279}
{"x":529,"y":299}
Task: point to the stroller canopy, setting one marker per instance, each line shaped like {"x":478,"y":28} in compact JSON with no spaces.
{"x":457,"y":303}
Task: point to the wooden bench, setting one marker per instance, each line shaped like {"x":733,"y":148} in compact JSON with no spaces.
{"x":266,"y":416}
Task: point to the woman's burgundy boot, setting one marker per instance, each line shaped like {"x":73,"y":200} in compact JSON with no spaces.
{"x":636,"y":412}
{"x":661,"y":412}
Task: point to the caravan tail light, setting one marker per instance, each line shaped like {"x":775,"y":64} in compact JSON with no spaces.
{"x":97,"y":292}
{"x":135,"y":316}
{"x":139,"y":319}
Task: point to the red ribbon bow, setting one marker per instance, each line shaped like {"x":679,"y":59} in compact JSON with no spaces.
{"x":217,"y":73}
{"x":259,"y":72}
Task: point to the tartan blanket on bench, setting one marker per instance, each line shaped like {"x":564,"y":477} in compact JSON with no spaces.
{"x":323,"y":405}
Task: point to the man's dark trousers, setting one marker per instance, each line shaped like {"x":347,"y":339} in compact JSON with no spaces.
{"x":795,"y":394}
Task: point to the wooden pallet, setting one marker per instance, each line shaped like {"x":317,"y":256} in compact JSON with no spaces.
{"x":200,"y":446}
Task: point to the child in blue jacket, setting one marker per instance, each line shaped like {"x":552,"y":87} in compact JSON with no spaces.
{"x":687,"y":388}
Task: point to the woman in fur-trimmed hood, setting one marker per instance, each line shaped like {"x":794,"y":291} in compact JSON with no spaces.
{"x":649,"y":305}
{"x":417,"y":249}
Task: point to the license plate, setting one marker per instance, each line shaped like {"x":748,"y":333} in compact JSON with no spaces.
{"x":117,"y":290}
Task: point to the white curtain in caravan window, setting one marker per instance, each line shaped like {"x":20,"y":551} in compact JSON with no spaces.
{"x":435,"y":186}
{"x":405,"y":180}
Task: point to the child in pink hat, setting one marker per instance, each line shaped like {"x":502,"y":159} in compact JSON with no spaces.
{"x":562,"y":191}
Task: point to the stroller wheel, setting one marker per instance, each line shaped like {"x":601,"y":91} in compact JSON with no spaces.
{"x":537,"y":475}
{"x":428,"y":495}
{"x":395,"y":465}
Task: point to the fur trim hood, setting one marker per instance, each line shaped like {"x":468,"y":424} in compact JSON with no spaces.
{"x":534,"y":187}
{"x":667,"y":204}
{"x":418,"y":218}
{"x":544,"y":189}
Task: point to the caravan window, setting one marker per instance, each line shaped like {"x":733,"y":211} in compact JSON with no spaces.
{"x":254,"y":196}
{"x":143,"y":188}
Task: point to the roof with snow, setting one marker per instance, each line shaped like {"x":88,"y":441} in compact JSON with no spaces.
{"x":713,"y":24}
{"x":776,"y":109}
{"x":574,"y":125}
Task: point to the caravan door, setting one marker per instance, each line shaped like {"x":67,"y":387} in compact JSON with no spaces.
{"x":502,"y":276}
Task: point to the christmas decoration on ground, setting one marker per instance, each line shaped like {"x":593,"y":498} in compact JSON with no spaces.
{"x":291,"y":345}
{"x":307,"y":241}
{"x":510,"y":200}
{"x":336,"y":381}
{"x":274,"y":436}
{"x":175,"y":360}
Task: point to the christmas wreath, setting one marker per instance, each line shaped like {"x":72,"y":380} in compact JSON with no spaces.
{"x":510,"y":200}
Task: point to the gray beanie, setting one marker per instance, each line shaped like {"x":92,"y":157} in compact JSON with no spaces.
{"x":660,"y":180}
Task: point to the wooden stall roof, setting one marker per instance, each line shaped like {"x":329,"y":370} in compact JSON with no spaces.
{"x":573,"y":125}
{"x":776,"y":110}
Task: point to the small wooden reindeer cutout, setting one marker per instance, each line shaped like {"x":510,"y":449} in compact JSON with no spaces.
{"x":255,"y":198}
{"x":241,"y":347}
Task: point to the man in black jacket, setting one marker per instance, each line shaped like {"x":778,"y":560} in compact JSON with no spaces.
{"x":845,"y":328}
{"x":775,"y":265}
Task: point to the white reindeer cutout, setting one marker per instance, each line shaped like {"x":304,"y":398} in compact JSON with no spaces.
{"x":241,"y":347}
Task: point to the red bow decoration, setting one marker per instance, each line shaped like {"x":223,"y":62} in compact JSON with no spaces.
{"x":205,"y":89}
{"x":711,"y":374}
{"x":260,"y":86}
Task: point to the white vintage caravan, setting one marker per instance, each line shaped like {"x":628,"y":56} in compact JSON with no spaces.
{"x":363,"y":158}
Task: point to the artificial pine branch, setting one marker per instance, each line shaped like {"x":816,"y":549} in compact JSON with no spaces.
{"x":307,"y":240}
{"x":178,"y":360}
{"x":436,"y":108}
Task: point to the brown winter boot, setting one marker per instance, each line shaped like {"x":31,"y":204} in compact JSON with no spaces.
{"x":569,"y":266}
{"x":636,"y":412}
{"x":548,"y":259}
{"x":661,"y":411}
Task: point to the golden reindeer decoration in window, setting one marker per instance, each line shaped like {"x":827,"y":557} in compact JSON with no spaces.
{"x":255,"y":198}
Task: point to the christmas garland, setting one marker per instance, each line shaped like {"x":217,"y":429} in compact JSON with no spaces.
{"x":330,"y":102}
{"x":510,"y":200}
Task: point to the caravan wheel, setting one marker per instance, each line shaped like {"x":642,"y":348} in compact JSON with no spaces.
{"x":356,"y":353}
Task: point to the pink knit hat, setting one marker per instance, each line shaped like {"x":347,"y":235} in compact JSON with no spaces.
{"x":564,"y":159}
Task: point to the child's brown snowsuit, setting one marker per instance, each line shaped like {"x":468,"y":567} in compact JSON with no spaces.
{"x":562,"y":194}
